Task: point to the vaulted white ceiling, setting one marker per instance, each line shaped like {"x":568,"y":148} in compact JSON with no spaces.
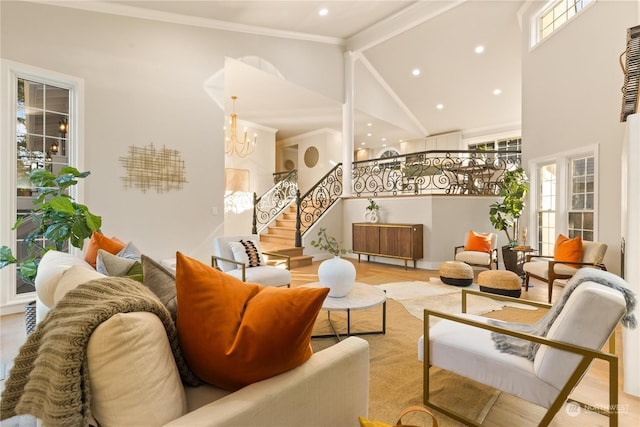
{"x":390,"y":39}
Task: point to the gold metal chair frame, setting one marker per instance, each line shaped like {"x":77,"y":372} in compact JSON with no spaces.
{"x":281,"y":257}
{"x":588,"y":356}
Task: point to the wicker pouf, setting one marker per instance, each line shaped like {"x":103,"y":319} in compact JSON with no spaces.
{"x":501,"y":282}
{"x":456,"y":273}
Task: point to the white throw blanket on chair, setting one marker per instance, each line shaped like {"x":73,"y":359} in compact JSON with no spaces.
{"x":528,"y":349}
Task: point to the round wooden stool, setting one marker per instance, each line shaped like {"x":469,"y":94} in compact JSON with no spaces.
{"x":501,"y":282}
{"x":456,"y":273}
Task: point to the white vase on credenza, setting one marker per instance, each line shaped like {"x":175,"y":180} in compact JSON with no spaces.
{"x":338,"y":275}
{"x":371,"y":216}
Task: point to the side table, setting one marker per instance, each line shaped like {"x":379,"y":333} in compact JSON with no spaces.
{"x":521,"y":255}
{"x":361,"y":297}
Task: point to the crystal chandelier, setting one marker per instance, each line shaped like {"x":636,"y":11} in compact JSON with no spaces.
{"x":242,"y":148}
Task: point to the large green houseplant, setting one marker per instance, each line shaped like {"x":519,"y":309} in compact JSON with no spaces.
{"x":56,"y":219}
{"x":505,"y":214}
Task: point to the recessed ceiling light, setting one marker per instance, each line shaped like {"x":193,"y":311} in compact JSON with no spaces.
{"x":383,"y":139}
{"x":384,"y":145}
{"x":439,"y":106}
{"x":416,"y":72}
{"x":497,"y":91}
{"x":362,"y":143}
{"x":323,"y":12}
{"x":369,"y":134}
{"x":369,"y":124}
{"x":479,"y":49}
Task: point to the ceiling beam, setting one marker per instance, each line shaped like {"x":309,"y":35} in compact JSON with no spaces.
{"x":408,"y":18}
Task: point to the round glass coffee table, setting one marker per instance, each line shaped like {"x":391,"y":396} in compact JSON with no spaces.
{"x":361,"y":297}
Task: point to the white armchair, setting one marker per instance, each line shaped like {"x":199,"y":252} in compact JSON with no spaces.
{"x":481,"y":259}
{"x":574,"y":340}
{"x":549,"y":270}
{"x":273,"y":271}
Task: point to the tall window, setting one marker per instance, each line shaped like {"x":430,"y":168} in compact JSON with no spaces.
{"x":546,"y":208}
{"x":554,"y":15}
{"x":42,"y":124}
{"x":43,"y":110}
{"x":581,"y":210}
{"x":566,"y":199}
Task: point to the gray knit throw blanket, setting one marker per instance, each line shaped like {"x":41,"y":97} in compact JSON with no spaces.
{"x":528,"y":349}
{"x":50,"y":377}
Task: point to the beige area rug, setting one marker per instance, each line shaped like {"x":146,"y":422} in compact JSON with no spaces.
{"x":435,"y":295}
{"x":396,"y":372}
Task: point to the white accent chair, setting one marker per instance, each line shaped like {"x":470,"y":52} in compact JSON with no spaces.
{"x":462,"y":344}
{"x":276,"y":273}
{"x":480,"y":259}
{"x":547,"y":269}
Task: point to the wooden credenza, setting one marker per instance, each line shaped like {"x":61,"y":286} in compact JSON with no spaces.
{"x":403,"y":241}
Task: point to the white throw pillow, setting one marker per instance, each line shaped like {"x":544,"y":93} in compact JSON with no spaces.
{"x":247,"y":252}
{"x":52,"y":265}
{"x":134,"y":378}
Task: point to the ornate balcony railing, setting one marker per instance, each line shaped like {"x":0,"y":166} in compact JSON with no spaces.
{"x":434,"y":172}
{"x":317,"y":200}
{"x":270,"y":204}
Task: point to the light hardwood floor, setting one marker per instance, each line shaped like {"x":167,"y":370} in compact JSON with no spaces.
{"x":507,"y":411}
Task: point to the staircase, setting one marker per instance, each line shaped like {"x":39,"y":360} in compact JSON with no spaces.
{"x":281,"y":238}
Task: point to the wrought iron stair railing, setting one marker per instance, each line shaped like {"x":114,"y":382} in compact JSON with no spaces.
{"x":317,"y":200}
{"x":268,"y":206}
{"x":474,"y":172}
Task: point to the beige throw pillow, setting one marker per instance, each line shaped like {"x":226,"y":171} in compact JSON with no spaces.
{"x":134,"y":378}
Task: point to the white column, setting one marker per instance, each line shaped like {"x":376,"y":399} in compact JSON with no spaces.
{"x":631,"y":232}
{"x":348,"y":123}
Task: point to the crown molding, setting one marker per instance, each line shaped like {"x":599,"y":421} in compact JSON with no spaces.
{"x":194,"y":21}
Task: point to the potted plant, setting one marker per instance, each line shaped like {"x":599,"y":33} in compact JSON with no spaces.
{"x":371,"y":214}
{"x":335,"y":273}
{"x":504,"y":215}
{"x":56,"y":219}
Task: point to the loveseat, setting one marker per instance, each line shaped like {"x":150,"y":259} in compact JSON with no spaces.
{"x":134,"y":380}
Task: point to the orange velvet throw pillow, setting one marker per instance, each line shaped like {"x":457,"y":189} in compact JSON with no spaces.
{"x":479,"y":242}
{"x":234,"y":333}
{"x":100,"y":241}
{"x":567,"y":249}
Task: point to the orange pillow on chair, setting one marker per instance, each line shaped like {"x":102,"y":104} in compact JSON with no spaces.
{"x":100,"y":241}
{"x":234,"y":333}
{"x":478,"y":242}
{"x":567,"y":249}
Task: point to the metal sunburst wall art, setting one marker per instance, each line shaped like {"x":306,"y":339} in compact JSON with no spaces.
{"x":151,"y":168}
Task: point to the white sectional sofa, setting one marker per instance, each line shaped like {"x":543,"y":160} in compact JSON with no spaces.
{"x":330,"y":389}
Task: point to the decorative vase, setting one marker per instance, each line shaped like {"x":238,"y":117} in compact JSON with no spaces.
{"x":371,"y":216}
{"x":338,"y":275}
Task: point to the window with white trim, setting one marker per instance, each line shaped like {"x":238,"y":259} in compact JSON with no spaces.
{"x":554,"y":15}
{"x":546,"y":212}
{"x":44,"y":110}
{"x":506,"y":144}
{"x":566,"y":197}
{"x":582,"y":196}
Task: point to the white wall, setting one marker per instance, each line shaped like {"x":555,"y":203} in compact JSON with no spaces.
{"x":329,"y":145}
{"x":143,"y":84}
{"x":571,"y":99}
{"x":445,"y":220}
